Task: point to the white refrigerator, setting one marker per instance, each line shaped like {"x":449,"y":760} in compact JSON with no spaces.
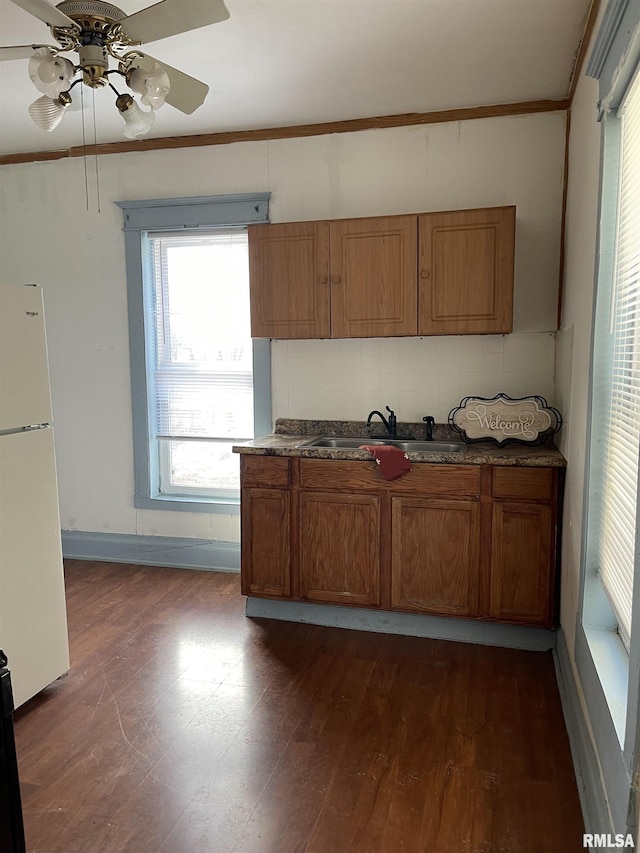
{"x":33,"y":619}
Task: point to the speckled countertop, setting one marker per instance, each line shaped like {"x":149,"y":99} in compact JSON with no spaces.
{"x":292,"y":438}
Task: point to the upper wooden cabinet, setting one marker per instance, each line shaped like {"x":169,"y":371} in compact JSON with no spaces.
{"x":289,"y":279}
{"x":340,"y":279}
{"x":465,"y":283}
{"x":373,"y":277}
{"x":429,"y":274}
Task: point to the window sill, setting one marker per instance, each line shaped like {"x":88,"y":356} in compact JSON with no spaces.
{"x":611,"y":661}
{"x":174,"y":503}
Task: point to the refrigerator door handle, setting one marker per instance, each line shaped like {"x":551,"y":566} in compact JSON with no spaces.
{"x":26,"y":428}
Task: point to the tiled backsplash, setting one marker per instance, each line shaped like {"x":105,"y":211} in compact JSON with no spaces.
{"x":346,"y":379}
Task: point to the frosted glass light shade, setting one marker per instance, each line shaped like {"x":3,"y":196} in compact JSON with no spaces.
{"x":50,"y":74}
{"x":137,"y":121}
{"x":47,"y":113}
{"x":153,"y":85}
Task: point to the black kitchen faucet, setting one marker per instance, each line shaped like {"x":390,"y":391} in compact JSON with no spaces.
{"x":390,"y":424}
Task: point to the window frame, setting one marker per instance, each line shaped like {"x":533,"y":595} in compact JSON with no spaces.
{"x":602,"y":657}
{"x":140,"y":218}
{"x":607,"y":673}
{"x":616,"y":385}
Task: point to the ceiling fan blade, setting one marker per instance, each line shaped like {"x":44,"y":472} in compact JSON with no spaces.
{"x":171,"y":17}
{"x":47,"y":13}
{"x":23,"y":51}
{"x":186,"y":93}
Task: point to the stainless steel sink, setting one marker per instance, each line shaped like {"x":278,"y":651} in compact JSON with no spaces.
{"x":353,"y":442}
{"x":427,"y":446}
{"x":345,"y":443}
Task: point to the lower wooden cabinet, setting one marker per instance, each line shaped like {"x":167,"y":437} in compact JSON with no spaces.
{"x":523,"y":545}
{"x":340,"y":548}
{"x":336,"y":532}
{"x":435,"y":556}
{"x":521,"y":554}
{"x":266,"y":526}
{"x":266,"y":542}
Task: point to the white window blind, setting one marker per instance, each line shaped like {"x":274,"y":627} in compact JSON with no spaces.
{"x":621,"y":439}
{"x":202,"y":376}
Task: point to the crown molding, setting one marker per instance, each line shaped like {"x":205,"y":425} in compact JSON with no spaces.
{"x":296,"y":131}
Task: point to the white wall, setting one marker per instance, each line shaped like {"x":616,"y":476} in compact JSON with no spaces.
{"x":48,"y":236}
{"x":414,"y":376}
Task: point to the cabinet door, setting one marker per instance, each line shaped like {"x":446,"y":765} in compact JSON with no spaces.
{"x":522,"y":563}
{"x":435,"y":556}
{"x":466,"y":272}
{"x":374,"y":277}
{"x":289,"y":280}
{"x":340,"y":548}
{"x":266,"y":542}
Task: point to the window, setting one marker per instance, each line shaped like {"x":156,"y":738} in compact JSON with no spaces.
{"x":606,"y":650}
{"x":199,"y":383}
{"x":622,"y":430}
{"x":200,"y":359}
{"x":616,"y":393}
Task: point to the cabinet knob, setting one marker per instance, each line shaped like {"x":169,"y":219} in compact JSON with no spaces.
{"x":335,"y":279}
{"x":323,"y":279}
{"x":424,"y":273}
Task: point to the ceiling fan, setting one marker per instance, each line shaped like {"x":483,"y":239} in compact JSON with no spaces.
{"x":97,"y":31}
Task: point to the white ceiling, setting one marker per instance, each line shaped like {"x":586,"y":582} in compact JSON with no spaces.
{"x":286,"y":62}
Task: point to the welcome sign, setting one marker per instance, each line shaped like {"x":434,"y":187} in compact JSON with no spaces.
{"x":503,"y":419}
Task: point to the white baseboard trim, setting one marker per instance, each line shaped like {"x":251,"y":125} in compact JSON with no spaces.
{"x":597,"y":818}
{"x":406,"y":624}
{"x":173,"y":551}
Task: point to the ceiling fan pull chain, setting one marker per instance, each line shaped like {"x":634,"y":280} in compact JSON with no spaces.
{"x":84,"y":149}
{"x":95,"y":149}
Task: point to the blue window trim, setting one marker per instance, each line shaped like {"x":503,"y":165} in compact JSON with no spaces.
{"x":140,"y":218}
{"x":613,"y":58}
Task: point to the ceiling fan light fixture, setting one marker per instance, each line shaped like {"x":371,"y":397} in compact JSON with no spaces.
{"x":98,"y":33}
{"x":137,"y":121}
{"x":50,"y":74}
{"x":47,"y":112}
{"x":152,"y":84}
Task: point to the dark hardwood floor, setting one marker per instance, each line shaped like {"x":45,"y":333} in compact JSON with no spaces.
{"x":185,"y":727}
